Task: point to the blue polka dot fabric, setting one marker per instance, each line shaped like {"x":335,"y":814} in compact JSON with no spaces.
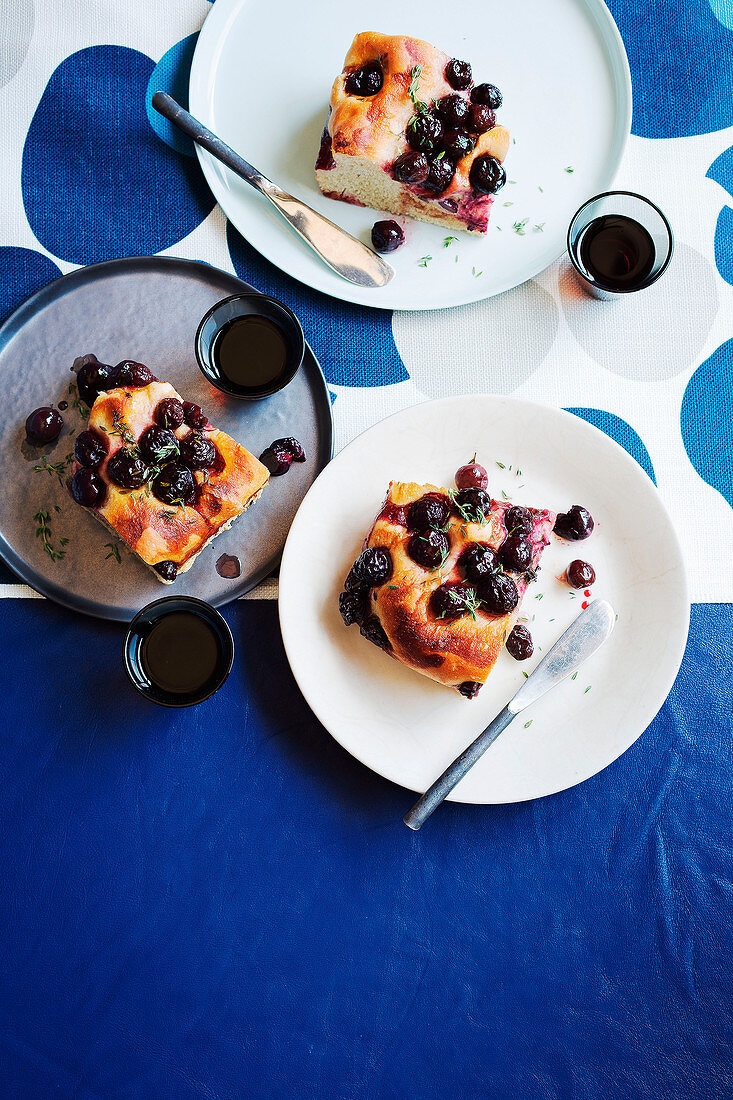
{"x":96,"y":174}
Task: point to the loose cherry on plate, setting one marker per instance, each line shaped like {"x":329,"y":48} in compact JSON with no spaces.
{"x":387,"y":236}
{"x":580,"y":574}
{"x":472,"y":476}
{"x":576,"y":524}
{"x":43,"y":425}
{"x":519,"y":644}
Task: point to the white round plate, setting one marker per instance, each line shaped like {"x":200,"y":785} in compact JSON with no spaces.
{"x":261,"y":79}
{"x":407,"y":728}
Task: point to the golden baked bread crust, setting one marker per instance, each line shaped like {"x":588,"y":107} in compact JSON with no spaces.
{"x":371,"y":130}
{"x":449,"y":652}
{"x":156,"y":531}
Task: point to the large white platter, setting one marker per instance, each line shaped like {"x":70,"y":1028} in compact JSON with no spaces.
{"x":261,"y":79}
{"x":407,"y":728}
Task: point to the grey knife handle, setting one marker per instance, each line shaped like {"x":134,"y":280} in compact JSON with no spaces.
{"x":442,"y":787}
{"x":343,"y":253}
{"x":579,"y":642}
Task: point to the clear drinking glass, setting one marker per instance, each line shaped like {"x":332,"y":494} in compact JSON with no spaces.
{"x":618,"y":243}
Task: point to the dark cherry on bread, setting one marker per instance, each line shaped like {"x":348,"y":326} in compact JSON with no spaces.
{"x":197,"y":451}
{"x":469,"y":689}
{"x":91,"y":448}
{"x":411,"y":167}
{"x":43,"y":425}
{"x":580,"y":574}
{"x":487,"y":94}
{"x":130,"y":373}
{"x":354,"y":605}
{"x":157,"y":444}
{"x":168,"y":413}
{"x":473,"y":504}
{"x":372,"y":567}
{"x":515,"y":554}
{"x":498,"y":594}
{"x":194,"y":415}
{"x":472,"y":476}
{"x":373,"y":631}
{"x":519,"y":644}
{"x":487,"y":175}
{"x":442,"y":170}
{"x":167,"y":569}
{"x":387,"y":236}
{"x":518,"y":520}
{"x":452,"y":600}
{"x":453,"y":109}
{"x":457,"y":144}
{"x":127,"y":469}
{"x":174,"y":484}
{"x":477,"y":561}
{"x":480,"y":118}
{"x":424,"y":132}
{"x":458,"y":74}
{"x":87,"y":488}
{"x":429,"y":548}
{"x":365,"y":81}
{"x":92,"y":378}
{"x":576,"y":524}
{"x":430,"y":510}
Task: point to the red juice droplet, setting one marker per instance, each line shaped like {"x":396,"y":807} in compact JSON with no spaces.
{"x":587,"y":592}
{"x":584,"y":604}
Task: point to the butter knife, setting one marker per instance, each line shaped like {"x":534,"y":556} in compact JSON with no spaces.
{"x":343,"y":253}
{"x":581,"y":639}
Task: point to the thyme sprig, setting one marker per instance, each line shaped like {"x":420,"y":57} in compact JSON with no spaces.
{"x":43,"y":532}
{"x":421,"y":107}
{"x":121,"y":428}
{"x":77,"y":402}
{"x":55,"y":468}
{"x":467,"y":514}
{"x":468,"y":604}
{"x":114,"y":552}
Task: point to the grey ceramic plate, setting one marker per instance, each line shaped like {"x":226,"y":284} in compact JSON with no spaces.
{"x":145,"y":309}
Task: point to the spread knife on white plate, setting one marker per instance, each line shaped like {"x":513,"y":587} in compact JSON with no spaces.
{"x":343,"y":253}
{"x":581,"y":639}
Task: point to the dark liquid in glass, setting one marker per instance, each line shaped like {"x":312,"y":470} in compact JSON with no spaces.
{"x":616,"y":251}
{"x":181,"y":654}
{"x":251,"y":353}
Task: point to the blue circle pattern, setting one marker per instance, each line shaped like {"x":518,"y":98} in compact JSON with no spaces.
{"x":111,"y":188}
{"x":22,"y":273}
{"x":721,"y":170}
{"x":621,"y":432}
{"x":171,"y":75}
{"x":678,"y":90}
{"x":354,"y":345}
{"x":707,"y":420}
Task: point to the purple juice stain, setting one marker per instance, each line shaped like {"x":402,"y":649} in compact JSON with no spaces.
{"x":229,"y":567}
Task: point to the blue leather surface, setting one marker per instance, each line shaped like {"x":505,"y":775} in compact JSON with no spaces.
{"x":221,"y":903}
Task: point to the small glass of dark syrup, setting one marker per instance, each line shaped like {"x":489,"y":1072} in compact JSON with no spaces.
{"x":249,"y":346}
{"x":178,"y":651}
{"x":619,"y":242}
